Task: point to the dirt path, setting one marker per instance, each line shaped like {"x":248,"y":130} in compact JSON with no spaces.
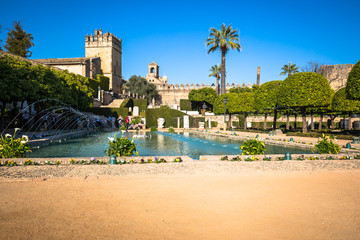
{"x":266,"y":205}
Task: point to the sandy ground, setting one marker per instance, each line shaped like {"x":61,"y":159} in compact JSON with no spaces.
{"x":251,"y":205}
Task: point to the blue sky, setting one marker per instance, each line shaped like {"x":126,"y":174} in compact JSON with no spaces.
{"x":173,"y":33}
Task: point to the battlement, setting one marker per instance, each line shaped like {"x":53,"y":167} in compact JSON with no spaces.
{"x":100,"y":39}
{"x":171,"y":87}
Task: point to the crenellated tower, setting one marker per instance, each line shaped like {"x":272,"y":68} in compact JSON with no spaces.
{"x":109,"y":48}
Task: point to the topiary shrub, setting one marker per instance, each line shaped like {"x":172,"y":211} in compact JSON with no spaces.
{"x":185,"y":105}
{"x":353,"y":83}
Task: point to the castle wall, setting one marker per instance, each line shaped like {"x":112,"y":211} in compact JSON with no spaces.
{"x":337,"y":75}
{"x":77,"y":69}
{"x":171,"y":95}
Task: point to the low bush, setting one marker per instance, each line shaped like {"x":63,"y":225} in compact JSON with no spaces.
{"x":253,"y":147}
{"x":326,"y":146}
{"x":11,"y":147}
{"x":121,"y":146}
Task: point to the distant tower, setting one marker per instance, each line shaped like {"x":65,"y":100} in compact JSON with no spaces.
{"x":109,"y":48}
{"x":258,"y":76}
{"x":153,"y":75}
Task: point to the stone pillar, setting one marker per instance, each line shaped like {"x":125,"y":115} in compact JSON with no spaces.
{"x":99,"y":93}
{"x":136,"y":111}
{"x":209,"y":122}
{"x":186,"y":121}
{"x":178,"y":122}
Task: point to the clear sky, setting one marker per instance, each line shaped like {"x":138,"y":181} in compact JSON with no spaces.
{"x":173,"y":33}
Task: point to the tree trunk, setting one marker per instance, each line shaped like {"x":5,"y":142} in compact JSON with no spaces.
{"x":295,"y":124}
{"x":303,"y":113}
{"x":287,"y":122}
{"x":230,"y":122}
{"x":245,"y":121}
{"x":223,"y":85}
{"x":265,"y":118}
{"x":349,"y":125}
{"x":217,"y":86}
{"x":2,"y":121}
{"x":332,"y":118}
{"x":321,"y":121}
{"x":275,"y":117}
{"x":312,"y":121}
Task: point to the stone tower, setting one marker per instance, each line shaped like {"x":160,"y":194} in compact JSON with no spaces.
{"x":109,"y":48}
{"x":153,"y":75}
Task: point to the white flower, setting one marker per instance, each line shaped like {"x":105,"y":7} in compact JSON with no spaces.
{"x":111,"y":139}
{"x":7,"y":135}
{"x":17,"y":129}
{"x":123,"y":131}
{"x":23,"y":142}
{"x":25,"y":137}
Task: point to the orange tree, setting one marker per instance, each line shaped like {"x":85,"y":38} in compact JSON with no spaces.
{"x":304,"y":90}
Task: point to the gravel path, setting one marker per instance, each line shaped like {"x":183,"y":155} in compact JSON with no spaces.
{"x":196,"y":168}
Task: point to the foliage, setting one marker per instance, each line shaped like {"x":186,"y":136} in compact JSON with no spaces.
{"x":253,"y":147}
{"x":121,"y":146}
{"x":185,"y":104}
{"x":215,"y":72}
{"x":139,"y":85}
{"x":203,"y":95}
{"x":153,"y":129}
{"x":171,"y":130}
{"x":353,"y":83}
{"x":178,"y":159}
{"x":11,"y":147}
{"x":18,"y":41}
{"x":289,"y":69}
{"x":170,"y":116}
{"x":237,"y":103}
{"x":326,"y":146}
{"x":303,"y":90}
{"x":343,"y":105}
{"x":254,"y":88}
{"x":223,"y":40}
{"x":141,"y":103}
{"x":266,"y":96}
{"x":104,"y":82}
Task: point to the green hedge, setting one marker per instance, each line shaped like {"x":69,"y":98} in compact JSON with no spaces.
{"x":141,"y":103}
{"x":94,"y":84}
{"x":170,"y":116}
{"x":114,"y":112}
{"x":104,"y":82}
{"x":185,"y":104}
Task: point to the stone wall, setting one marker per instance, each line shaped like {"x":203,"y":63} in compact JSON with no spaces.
{"x":171,"y":95}
{"x":337,"y":75}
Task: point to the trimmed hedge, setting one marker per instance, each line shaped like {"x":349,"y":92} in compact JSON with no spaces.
{"x":141,"y":103}
{"x":104,"y":82}
{"x":170,"y":116}
{"x":185,"y":104}
{"x":114,"y":112}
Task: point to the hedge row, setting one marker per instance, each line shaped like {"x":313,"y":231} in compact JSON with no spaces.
{"x":170,"y":116}
{"x":185,"y":104}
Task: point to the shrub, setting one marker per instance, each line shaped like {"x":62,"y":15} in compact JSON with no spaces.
{"x":153,"y":129}
{"x":171,"y":130}
{"x":185,"y":104}
{"x":11,"y":147}
{"x":170,"y":116}
{"x":326,"y":146}
{"x":353,"y":83}
{"x":104,"y":82}
{"x":253,"y":147}
{"x":121,"y":146}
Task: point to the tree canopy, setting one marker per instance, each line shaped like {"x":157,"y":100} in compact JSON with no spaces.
{"x":208,"y":95}
{"x":223,"y":40}
{"x":304,"y":90}
{"x":266,"y":96}
{"x":18,"y":41}
{"x":353,"y":83}
{"x":237,"y":103}
{"x":139,"y":85}
{"x":343,"y":105}
{"x":215,"y":72}
{"x":289,"y":69}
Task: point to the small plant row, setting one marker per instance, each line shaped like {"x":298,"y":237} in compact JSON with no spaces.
{"x":299,"y":158}
{"x":28,"y":162}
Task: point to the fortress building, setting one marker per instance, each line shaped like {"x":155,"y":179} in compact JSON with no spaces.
{"x":103,"y":55}
{"x":337,"y":75}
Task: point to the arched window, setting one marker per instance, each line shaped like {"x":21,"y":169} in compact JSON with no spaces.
{"x":152,"y":70}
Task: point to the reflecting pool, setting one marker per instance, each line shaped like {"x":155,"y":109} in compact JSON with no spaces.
{"x":154,"y":144}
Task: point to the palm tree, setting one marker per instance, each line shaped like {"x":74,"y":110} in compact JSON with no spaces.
{"x":215,"y":72}
{"x":289,"y":69}
{"x":223,"y":40}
